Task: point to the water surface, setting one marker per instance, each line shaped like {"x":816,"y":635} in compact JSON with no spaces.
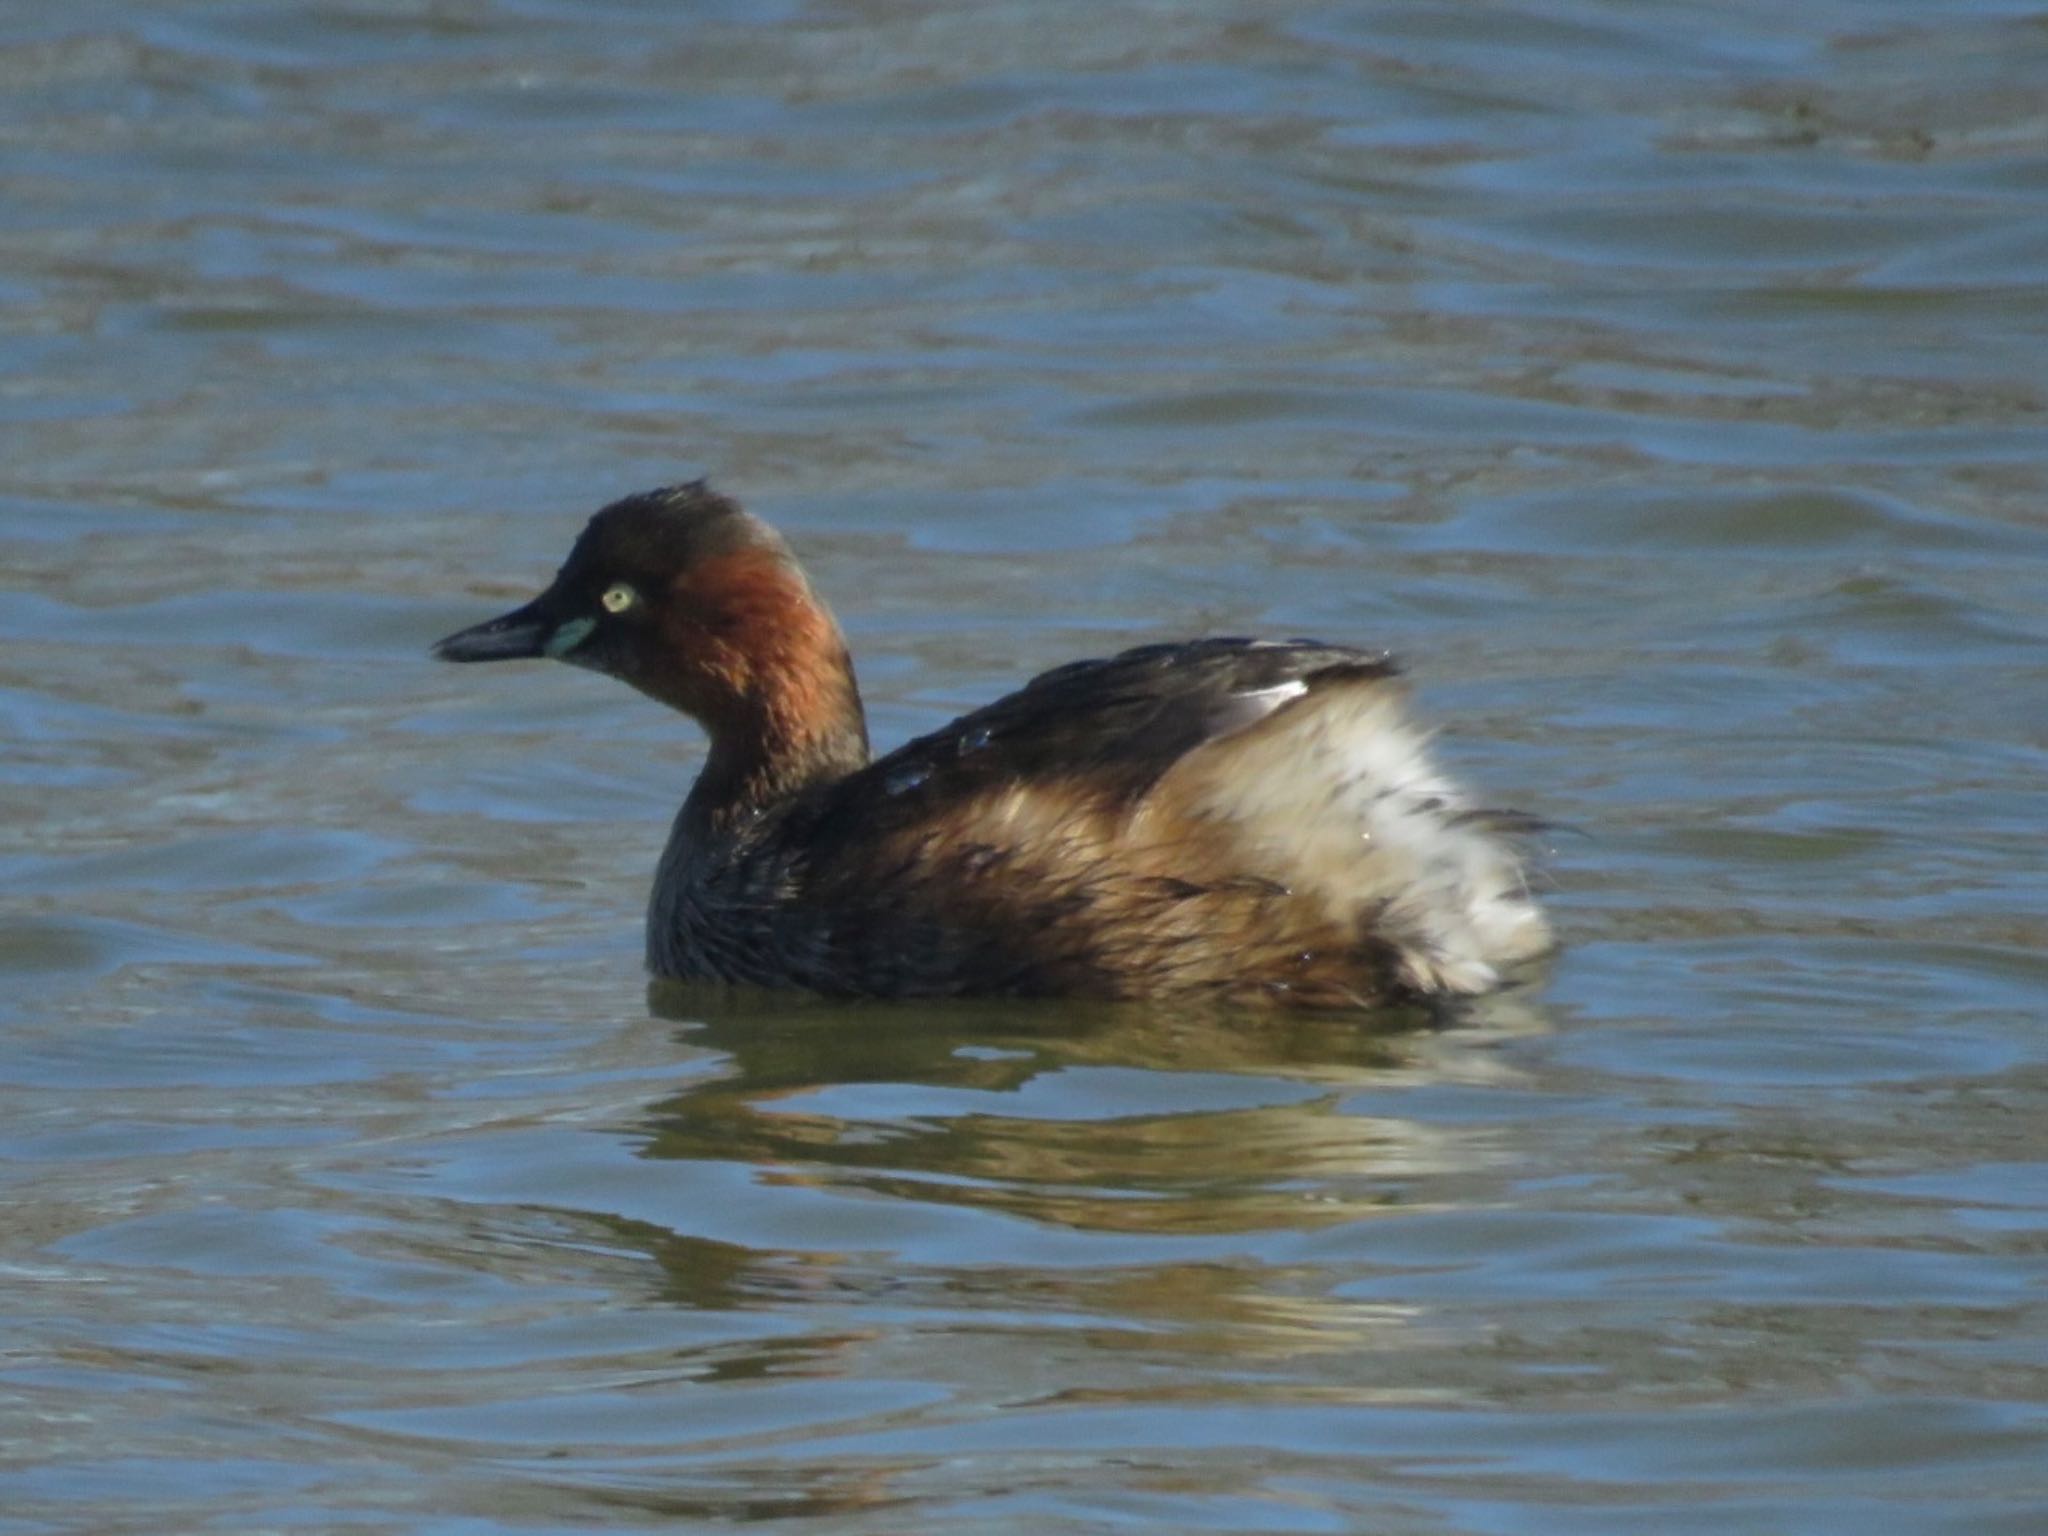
{"x":1663,"y":381}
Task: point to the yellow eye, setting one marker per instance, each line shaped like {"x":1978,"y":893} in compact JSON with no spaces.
{"x":618,"y":598}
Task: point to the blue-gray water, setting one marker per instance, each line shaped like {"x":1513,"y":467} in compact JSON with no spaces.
{"x":1665,"y":381}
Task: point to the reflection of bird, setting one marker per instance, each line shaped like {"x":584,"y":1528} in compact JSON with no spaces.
{"x":1247,"y":819}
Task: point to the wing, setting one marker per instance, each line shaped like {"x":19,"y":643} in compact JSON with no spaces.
{"x":990,"y":855}
{"x":1108,"y":728}
{"x":1225,"y":813}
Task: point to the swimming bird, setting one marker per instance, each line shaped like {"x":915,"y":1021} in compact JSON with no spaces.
{"x":1250,"y":820}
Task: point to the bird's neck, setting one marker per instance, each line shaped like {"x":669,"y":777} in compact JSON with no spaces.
{"x":772,"y":683}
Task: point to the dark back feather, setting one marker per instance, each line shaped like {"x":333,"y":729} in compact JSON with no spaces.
{"x":1110,"y":726}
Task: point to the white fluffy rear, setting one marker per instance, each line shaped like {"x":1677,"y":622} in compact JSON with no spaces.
{"x":1336,"y":797}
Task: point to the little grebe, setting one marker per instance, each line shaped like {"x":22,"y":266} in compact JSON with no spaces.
{"x":1250,"y":819}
